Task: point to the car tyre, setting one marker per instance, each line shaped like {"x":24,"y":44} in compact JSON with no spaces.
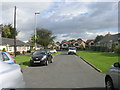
{"x":51,"y":60}
{"x":31,"y":64}
{"x":109,"y":84}
{"x":46,"y":63}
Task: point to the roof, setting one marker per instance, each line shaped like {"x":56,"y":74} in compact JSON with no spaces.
{"x":110,"y":38}
{"x":70,"y":42}
{"x":88,"y":41}
{"x":7,"y":41}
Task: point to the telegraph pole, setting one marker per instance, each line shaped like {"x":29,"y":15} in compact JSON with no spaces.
{"x":15,"y":31}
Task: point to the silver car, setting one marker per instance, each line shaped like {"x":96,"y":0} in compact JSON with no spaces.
{"x":11,"y":76}
{"x":112,"y":79}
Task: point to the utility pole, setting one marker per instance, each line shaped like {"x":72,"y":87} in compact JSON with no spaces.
{"x":15,"y":31}
{"x":35,"y":30}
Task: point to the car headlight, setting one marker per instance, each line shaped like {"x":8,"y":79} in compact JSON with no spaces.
{"x":44,"y":57}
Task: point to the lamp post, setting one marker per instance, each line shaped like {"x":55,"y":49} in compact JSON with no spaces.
{"x":35,"y":30}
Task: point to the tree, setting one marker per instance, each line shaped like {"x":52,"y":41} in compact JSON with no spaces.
{"x":64,"y":40}
{"x":98,"y":38}
{"x":44,"y":37}
{"x":79,"y":39}
{"x":72,"y":40}
{"x":8,"y":31}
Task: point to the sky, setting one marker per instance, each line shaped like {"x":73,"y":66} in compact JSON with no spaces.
{"x":67,"y":19}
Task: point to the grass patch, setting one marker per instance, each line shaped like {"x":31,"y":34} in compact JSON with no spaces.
{"x":102,"y":61}
{"x":24,"y":60}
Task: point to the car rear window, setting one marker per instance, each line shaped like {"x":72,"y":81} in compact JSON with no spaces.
{"x":72,"y":48}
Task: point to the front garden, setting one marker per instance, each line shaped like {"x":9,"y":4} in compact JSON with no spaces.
{"x":100,"y":60}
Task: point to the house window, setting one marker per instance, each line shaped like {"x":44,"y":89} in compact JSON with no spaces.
{"x":92,"y":43}
{"x":76,"y":44}
{"x":9,"y":48}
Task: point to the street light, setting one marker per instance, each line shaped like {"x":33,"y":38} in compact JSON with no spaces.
{"x":35,"y":30}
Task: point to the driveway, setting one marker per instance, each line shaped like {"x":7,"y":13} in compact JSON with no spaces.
{"x":67,"y":71}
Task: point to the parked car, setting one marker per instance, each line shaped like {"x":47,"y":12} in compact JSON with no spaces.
{"x":72,"y":50}
{"x":112,"y":79}
{"x":6,"y":57}
{"x":53,"y":51}
{"x":10,"y":76}
{"x":41,"y":57}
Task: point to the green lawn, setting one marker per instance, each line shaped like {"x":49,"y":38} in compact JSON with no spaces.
{"x":24,"y":60}
{"x":100,"y":60}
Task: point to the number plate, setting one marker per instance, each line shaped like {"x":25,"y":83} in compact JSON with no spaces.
{"x":36,"y":61}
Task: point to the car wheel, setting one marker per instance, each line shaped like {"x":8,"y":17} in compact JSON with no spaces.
{"x":109,"y":84}
{"x":31,"y":64}
{"x":46,"y":63}
{"x":51,"y":60}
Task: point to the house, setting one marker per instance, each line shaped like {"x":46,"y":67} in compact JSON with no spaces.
{"x":8,"y":45}
{"x":89,"y":43}
{"x":111,"y":41}
{"x":74,"y":43}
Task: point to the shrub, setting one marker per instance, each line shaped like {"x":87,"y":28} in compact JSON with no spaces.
{"x":17,"y":53}
{"x":4,"y":50}
{"x":117,"y":50}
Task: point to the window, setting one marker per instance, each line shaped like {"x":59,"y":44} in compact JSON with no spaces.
{"x":5,"y":57}
{"x":1,"y":57}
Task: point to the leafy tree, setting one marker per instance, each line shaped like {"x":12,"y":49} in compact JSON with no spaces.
{"x":72,"y":40}
{"x":79,"y":39}
{"x":44,"y":37}
{"x":8,"y":31}
{"x":64,"y":40}
{"x":98,"y":38}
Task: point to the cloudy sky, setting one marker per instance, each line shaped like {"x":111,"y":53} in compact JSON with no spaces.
{"x":67,"y":19}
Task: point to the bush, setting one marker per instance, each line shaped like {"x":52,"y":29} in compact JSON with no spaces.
{"x":99,"y":48}
{"x":117,"y":50}
{"x":17,"y":53}
{"x":4,"y":50}
{"x":28,"y":51}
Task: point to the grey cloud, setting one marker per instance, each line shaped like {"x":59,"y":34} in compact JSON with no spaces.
{"x":101,"y":15}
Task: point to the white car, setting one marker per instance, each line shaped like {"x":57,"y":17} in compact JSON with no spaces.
{"x":72,"y":50}
{"x":53,"y":51}
{"x":10,"y":76}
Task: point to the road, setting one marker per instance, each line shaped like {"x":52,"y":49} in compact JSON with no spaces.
{"x":67,"y":71}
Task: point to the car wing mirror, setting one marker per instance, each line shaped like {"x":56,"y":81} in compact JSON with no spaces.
{"x":117,"y":64}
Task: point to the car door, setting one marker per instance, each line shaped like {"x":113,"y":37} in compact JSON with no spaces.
{"x":115,"y":73}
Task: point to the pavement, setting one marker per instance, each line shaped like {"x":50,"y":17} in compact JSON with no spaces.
{"x":67,"y":71}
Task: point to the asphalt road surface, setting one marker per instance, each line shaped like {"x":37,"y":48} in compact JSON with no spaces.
{"x":67,"y":71}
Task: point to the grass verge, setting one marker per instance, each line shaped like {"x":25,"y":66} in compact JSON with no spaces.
{"x":100,"y":60}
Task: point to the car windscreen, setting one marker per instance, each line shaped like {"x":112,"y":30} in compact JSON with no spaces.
{"x":72,"y":48}
{"x":39,"y":52}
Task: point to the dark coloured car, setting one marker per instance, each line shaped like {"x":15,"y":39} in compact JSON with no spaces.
{"x":41,"y":57}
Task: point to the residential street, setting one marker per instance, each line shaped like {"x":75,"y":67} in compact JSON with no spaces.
{"x":67,"y":71}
